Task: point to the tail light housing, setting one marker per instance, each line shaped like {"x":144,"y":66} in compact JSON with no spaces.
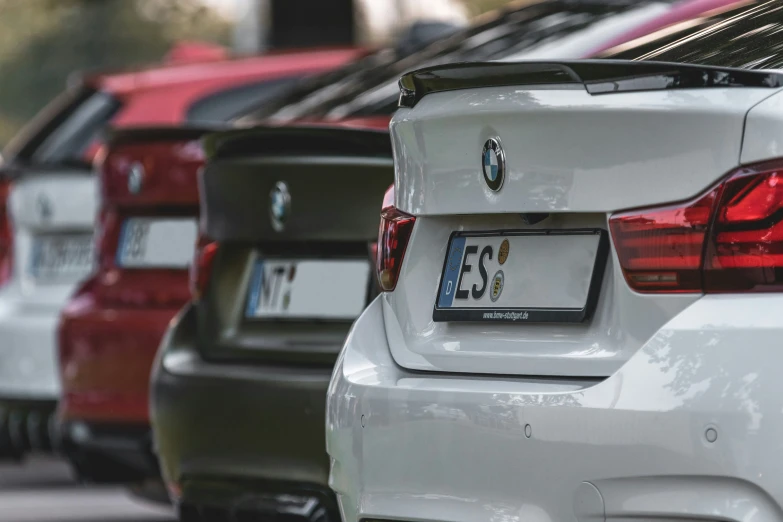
{"x":729,"y":239}
{"x":201,"y":268}
{"x":107,"y":237}
{"x":393,"y":236}
{"x":6,"y":234}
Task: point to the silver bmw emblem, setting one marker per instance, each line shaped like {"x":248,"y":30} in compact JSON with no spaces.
{"x":493,"y":163}
{"x":279,"y":205}
{"x":44,"y":205}
{"x":135,"y":178}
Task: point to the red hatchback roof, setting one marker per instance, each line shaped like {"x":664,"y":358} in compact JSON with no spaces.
{"x":195,"y":79}
{"x":162,"y":95}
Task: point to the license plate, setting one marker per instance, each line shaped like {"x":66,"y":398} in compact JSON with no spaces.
{"x":308,"y":289}
{"x":522,"y":276}
{"x":157,"y":243}
{"x":62,"y":257}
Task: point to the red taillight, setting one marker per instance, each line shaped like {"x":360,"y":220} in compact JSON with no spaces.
{"x":6,"y":234}
{"x":746,"y":248}
{"x":661,"y":249}
{"x":201,"y":268}
{"x":729,"y":239}
{"x":107,"y":237}
{"x":395,"y":231}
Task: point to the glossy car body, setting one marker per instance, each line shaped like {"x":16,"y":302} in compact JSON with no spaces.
{"x":662,"y":405}
{"x":260,"y":379}
{"x":111,"y":328}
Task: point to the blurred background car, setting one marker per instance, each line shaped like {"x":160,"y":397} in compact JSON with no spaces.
{"x":283,"y":269}
{"x":110,"y":329}
{"x":243,"y":353}
{"x":541,"y":29}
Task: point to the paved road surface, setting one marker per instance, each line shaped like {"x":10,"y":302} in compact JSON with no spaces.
{"x":42,"y":490}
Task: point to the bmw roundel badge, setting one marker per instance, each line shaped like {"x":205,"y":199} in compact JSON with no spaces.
{"x":135,"y":177}
{"x":44,"y":205}
{"x":279,"y":205}
{"x":493,"y":163}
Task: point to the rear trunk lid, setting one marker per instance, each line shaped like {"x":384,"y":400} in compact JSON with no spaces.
{"x":579,"y":142}
{"x":52,"y":211}
{"x":149,"y":212}
{"x":295,"y":212}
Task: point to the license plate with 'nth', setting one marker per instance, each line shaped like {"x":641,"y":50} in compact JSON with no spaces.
{"x":325,"y":289}
{"x":522,"y":276}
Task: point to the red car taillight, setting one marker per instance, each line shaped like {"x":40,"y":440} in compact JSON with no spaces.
{"x":6,"y":234}
{"x":393,"y":236}
{"x":107,"y":236}
{"x":729,"y":239}
{"x":201,"y":268}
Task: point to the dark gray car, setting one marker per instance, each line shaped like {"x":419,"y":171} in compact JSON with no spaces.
{"x":239,"y":386}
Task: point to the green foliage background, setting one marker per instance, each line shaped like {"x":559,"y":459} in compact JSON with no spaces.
{"x":42,"y":42}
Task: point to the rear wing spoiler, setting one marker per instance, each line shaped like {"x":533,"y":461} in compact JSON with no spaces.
{"x":319,"y":140}
{"x":595,"y":76}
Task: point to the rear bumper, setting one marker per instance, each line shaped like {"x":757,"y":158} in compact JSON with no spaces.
{"x":105,"y":360}
{"x":29,"y":380}
{"x":689,"y":427}
{"x":109,"y":453}
{"x":28,"y":363}
{"x":237,"y":428}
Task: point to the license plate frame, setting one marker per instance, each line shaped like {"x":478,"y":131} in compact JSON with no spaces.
{"x":182,"y":230}
{"x":255,"y":289}
{"x":82,"y":242}
{"x":527,"y":314}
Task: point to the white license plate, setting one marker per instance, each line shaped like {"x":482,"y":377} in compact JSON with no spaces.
{"x":62,"y":257}
{"x":157,"y":243}
{"x":308,"y":289}
{"x":526,"y":276}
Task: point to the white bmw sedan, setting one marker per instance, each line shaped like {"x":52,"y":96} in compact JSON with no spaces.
{"x":583,"y":274}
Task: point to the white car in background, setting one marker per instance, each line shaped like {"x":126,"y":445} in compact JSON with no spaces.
{"x":583,"y":265}
{"x":48,"y":202}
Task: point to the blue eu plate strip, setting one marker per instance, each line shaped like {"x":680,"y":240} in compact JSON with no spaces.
{"x":256,"y":280}
{"x":34,"y":259}
{"x":121,"y":242}
{"x":448,"y":285}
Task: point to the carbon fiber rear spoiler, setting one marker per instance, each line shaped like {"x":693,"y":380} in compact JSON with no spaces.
{"x":595,"y":76}
{"x":262,"y":140}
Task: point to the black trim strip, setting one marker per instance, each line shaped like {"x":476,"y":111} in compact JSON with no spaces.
{"x":531,"y":315}
{"x":596,"y":76}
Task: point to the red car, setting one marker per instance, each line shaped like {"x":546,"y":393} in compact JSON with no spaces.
{"x":110,"y":329}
